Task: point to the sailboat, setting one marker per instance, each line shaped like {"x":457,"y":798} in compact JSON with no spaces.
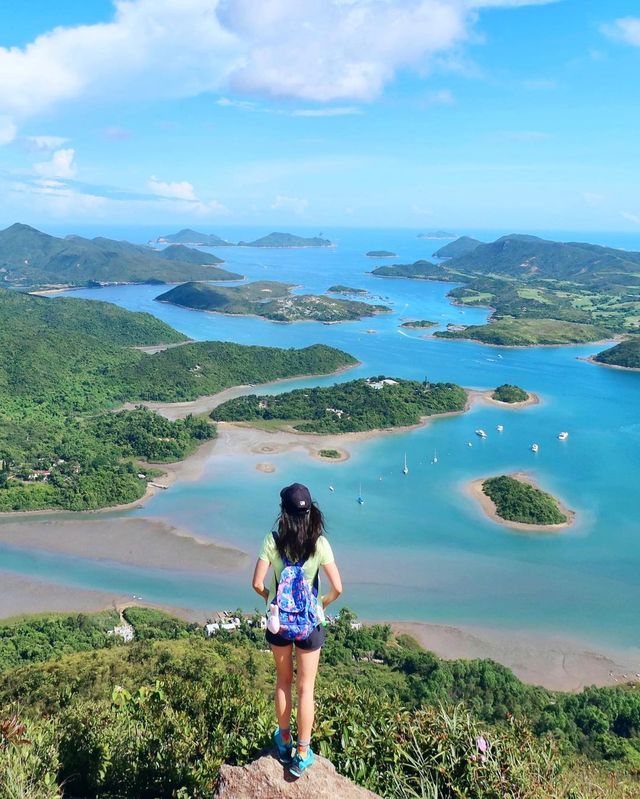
{"x":360,"y":497}
{"x":405,"y":468}
{"x":435,"y":456}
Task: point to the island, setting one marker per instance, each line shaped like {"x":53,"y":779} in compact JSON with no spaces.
{"x":510,"y":394}
{"x":283,"y":240}
{"x":419,"y":324}
{"x":30,"y":259}
{"x":269,"y":299}
{"x":376,"y":403}
{"x":65,"y":363}
{"x":381,"y":254}
{"x":539,"y":291}
{"x":516,"y":501}
{"x":194,"y":238}
{"x":436,"y":234}
{"x":340,"y":289}
{"x":625,"y":355}
{"x":461,"y":246}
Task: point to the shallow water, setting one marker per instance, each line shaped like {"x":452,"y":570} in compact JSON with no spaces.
{"x":418,"y":548}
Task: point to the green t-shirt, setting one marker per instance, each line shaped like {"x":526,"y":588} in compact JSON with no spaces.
{"x":321,"y":557}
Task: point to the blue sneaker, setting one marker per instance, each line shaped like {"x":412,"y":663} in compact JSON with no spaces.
{"x":300,"y":764}
{"x":283,"y":749}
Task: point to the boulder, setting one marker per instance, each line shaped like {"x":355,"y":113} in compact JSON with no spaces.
{"x":267,"y":778}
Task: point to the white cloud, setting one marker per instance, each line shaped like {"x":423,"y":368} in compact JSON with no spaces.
{"x":57,"y":198}
{"x":635,"y":218}
{"x":44,"y":143}
{"x":8,"y":130}
{"x":336,"y":111}
{"x":60,"y":165}
{"x":297,"y":205}
{"x":624,"y":29}
{"x":243,"y":105}
{"x":180,"y":190}
{"x":318,"y":50}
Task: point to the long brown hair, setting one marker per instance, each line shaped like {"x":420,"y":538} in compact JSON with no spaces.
{"x":298,"y":533}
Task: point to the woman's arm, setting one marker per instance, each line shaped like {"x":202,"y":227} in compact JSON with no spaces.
{"x":333,"y":575}
{"x":260,"y":572}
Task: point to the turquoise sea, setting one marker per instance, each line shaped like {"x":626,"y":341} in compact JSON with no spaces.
{"x":418,"y":548}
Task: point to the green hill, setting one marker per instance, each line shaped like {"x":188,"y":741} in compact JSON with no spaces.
{"x":286,"y":240}
{"x":381,"y":254}
{"x":193,"y":237}
{"x":419,"y":270}
{"x":64,"y":362}
{"x":355,"y":406}
{"x":461,"y":246}
{"x":509,"y":332}
{"x":157,"y":717}
{"x":269,"y":299}
{"x":518,"y":501}
{"x":625,"y":354}
{"x":30,"y":258}
{"x":178,"y":252}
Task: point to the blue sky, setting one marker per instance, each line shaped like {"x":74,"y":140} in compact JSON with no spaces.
{"x":519,"y":114}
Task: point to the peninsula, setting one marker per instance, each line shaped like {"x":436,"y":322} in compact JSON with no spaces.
{"x":32,"y":259}
{"x":516,"y":501}
{"x":269,"y":299}
{"x":363,"y":405}
{"x":625,"y":355}
{"x":65,"y":363}
{"x":540,"y":291}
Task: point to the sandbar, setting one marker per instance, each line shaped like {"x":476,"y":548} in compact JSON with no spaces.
{"x":147,"y":542}
{"x":555,"y":662}
{"x":480,"y":395}
{"x":474,"y":489}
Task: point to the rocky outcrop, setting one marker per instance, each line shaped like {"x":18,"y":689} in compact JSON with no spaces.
{"x":268,"y":779}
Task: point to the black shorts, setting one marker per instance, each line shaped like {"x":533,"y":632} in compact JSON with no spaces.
{"x":311,"y":644}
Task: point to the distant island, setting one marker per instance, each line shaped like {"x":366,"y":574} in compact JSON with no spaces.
{"x":436,"y":234}
{"x":625,"y":355}
{"x":194,"y":238}
{"x":66,"y":363}
{"x":517,"y":502}
{"x":540,"y":291}
{"x":510,"y":394}
{"x":30,"y":259}
{"x":461,"y":246}
{"x":269,"y":299}
{"x":281,"y":240}
{"x":419,"y":323}
{"x":357,"y":406}
{"x":381,"y":254}
{"x":340,"y":289}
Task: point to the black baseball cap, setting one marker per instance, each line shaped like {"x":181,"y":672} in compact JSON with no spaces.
{"x":295,"y":498}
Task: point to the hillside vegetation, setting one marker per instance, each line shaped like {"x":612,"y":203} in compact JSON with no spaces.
{"x":527,"y":332}
{"x":269,"y":299}
{"x":30,"y":258}
{"x":517,"y":501}
{"x":64,"y":362}
{"x":193,"y":237}
{"x":355,"y":406}
{"x":510,"y":394}
{"x":461,"y":246}
{"x":156,"y":718}
{"x":626,"y":354}
{"x":286,"y":240}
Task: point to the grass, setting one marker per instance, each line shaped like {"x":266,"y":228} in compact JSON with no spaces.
{"x":329,"y":453}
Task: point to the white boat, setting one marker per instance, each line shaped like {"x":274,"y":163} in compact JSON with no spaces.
{"x":481,"y":433}
{"x":360,"y":497}
{"x":435,"y":456}
{"x":331,"y":488}
{"x":500,"y":428}
{"x":405,"y":468}
{"x":563,"y":436}
{"x":469,"y":444}
{"x":535,"y":448}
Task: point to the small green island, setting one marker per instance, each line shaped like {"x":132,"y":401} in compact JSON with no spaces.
{"x":193,"y":238}
{"x":381,"y":254}
{"x":419,"y":270}
{"x":331,"y":454}
{"x":280,"y":240}
{"x":461,"y":246}
{"x":419,"y":323}
{"x":340,"y":289}
{"x":625,"y":355}
{"x":269,"y":299}
{"x":518,"y":501}
{"x":510,"y":394}
{"x":356,"y":406}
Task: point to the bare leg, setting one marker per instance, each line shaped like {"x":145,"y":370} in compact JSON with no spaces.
{"x":307,"y":668}
{"x":284,"y":677}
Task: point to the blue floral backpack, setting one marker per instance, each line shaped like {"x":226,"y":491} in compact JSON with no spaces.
{"x":297,"y":603}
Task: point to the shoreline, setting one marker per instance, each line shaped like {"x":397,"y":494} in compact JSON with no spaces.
{"x":482,"y":395}
{"x":591,"y":359}
{"x":600,"y":342}
{"x":474,"y":490}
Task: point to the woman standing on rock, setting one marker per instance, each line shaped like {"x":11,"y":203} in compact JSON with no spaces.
{"x":296,"y":550}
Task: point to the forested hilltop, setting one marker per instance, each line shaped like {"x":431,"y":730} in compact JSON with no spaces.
{"x":30,"y":259}
{"x":157,"y":717}
{"x":355,"y":406}
{"x":541,"y":292}
{"x":269,"y":299}
{"x":64,"y":362}
{"x":625,"y":355}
